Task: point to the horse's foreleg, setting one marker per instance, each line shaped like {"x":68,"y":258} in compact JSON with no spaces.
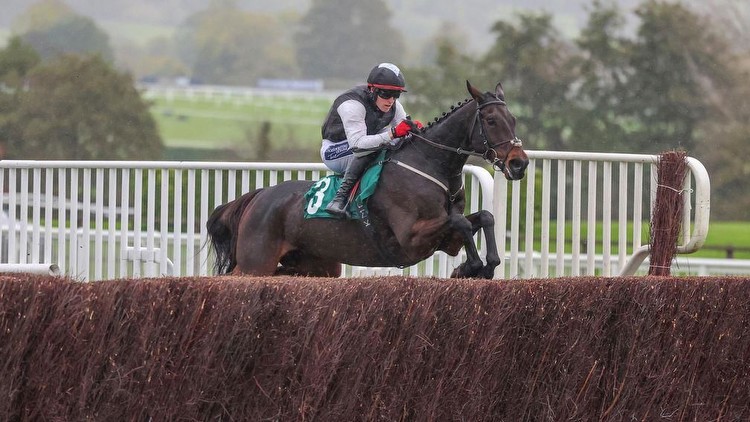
{"x":453,"y":243}
{"x":486,"y":221}
{"x":473,"y":265}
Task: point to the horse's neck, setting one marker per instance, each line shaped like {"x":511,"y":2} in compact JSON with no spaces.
{"x":451,"y":132}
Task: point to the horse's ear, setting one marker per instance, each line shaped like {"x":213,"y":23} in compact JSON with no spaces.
{"x":499,"y":93}
{"x":473,"y":91}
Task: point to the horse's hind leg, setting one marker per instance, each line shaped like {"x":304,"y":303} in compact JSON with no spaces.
{"x":258,"y":261}
{"x":258,"y":253}
{"x":298,"y":264}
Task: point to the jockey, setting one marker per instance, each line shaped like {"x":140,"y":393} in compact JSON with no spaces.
{"x":361,"y":121}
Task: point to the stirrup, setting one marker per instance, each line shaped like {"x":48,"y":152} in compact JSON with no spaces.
{"x":336,"y":208}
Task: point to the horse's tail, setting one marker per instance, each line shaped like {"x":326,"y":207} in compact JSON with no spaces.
{"x":222,"y":231}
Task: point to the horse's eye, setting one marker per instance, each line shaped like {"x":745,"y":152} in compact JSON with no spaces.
{"x":491,"y":122}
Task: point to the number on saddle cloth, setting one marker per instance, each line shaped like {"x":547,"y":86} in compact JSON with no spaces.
{"x":323,"y":191}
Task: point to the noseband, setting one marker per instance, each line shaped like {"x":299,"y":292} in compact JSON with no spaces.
{"x":489,"y":155}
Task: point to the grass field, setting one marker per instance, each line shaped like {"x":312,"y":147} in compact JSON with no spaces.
{"x":727,"y":234}
{"x":193,"y":127}
{"x":722,"y":236}
{"x":236,"y":124}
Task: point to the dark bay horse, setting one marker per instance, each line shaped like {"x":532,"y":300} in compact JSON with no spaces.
{"x":416,"y":209}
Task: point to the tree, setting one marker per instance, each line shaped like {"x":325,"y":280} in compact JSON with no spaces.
{"x":721,"y":137}
{"x":53,"y":29}
{"x":42,"y":15}
{"x":676,"y":61}
{"x":15,"y":62}
{"x":224,"y":45}
{"x":340,"y":39}
{"x":732,"y":16}
{"x":534,"y":63}
{"x":721,"y":150}
{"x":603,"y":73}
{"x":158,"y":58}
{"x":433,"y":89}
{"x":80,"y":108}
{"x":74,"y":35}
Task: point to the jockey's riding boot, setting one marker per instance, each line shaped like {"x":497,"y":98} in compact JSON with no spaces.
{"x":356,"y":168}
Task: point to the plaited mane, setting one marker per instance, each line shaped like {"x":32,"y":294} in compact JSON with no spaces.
{"x":453,"y":109}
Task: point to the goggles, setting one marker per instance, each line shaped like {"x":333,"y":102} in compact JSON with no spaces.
{"x":387,"y":94}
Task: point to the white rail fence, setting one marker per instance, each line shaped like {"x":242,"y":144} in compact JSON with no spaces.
{"x":598,"y":201}
{"x":103,"y":220}
{"x":98,"y":220}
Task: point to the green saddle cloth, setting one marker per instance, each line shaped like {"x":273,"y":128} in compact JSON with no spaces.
{"x":323,"y":191}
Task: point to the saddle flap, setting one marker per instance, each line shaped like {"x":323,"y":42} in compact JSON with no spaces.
{"x":323,"y":191}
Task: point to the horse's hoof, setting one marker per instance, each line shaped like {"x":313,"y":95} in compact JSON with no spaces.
{"x":487,"y":272}
{"x":466,"y":270}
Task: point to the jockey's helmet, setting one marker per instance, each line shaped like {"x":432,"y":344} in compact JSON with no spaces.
{"x":386,"y":76}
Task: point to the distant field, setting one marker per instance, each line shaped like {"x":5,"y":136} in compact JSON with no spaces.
{"x":139,"y":33}
{"x":723,"y":234}
{"x":236,"y":123}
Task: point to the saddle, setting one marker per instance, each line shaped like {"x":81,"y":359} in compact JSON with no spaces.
{"x":323,"y":191}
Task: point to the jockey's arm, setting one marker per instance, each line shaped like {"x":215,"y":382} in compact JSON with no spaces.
{"x":353,"y":118}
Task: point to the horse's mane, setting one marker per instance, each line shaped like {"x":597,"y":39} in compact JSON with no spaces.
{"x":447,"y":114}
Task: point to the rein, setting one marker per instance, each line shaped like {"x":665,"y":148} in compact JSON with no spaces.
{"x":489,"y":151}
{"x":458,"y":150}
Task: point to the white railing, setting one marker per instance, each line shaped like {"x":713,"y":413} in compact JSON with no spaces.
{"x":102,"y":219}
{"x":587,"y":196}
{"x":682,"y":265}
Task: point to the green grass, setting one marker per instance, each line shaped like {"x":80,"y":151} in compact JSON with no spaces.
{"x":721,"y":235}
{"x":583,"y":237}
{"x":236,"y":123}
{"x":724,"y":234}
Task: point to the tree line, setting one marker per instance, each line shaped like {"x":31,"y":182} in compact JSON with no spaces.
{"x":678,"y":80}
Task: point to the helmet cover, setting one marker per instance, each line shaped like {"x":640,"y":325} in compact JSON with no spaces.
{"x":386,"y":76}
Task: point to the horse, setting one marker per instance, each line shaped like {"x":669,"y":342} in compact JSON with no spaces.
{"x":417,"y":207}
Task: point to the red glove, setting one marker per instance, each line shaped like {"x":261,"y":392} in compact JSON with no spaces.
{"x":406,"y":126}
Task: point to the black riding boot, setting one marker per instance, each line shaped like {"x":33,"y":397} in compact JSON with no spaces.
{"x":355,"y":170}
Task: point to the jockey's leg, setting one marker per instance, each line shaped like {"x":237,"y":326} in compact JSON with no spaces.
{"x":355,"y":170}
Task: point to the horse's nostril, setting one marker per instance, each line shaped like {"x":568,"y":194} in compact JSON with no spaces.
{"x":518,"y":165}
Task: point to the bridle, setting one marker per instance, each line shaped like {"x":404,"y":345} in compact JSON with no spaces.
{"x":489,"y":155}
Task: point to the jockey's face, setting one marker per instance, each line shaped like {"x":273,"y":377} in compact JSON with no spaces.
{"x":385,"y":104}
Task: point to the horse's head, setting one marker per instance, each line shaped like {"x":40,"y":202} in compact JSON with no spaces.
{"x":493,"y":133}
